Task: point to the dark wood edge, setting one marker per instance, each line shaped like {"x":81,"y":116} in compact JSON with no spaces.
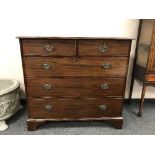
{"x":58,"y":56}
{"x":25,"y":81}
{"x":80,"y":119}
{"x":32,"y":124}
{"x":135,"y":100}
{"x":150,"y":72}
{"x":82,"y":77}
{"x":55,"y":37}
{"x":76,"y":56}
{"x":150,"y":83}
{"x":82,"y":98}
{"x":49,"y":76}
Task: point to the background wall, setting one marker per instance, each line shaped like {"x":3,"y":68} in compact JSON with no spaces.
{"x":42,"y":19}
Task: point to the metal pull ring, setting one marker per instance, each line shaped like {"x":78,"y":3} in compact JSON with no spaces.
{"x":103,"y":107}
{"x":46,"y":66}
{"x":103,"y":48}
{"x":106,"y":66}
{"x":104,"y":86}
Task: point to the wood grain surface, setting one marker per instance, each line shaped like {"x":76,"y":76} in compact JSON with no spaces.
{"x":58,"y":47}
{"x":74,"y":108}
{"x":75,"y":87}
{"x":115,"y":47}
{"x":75,"y":67}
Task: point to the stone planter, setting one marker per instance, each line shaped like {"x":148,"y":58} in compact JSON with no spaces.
{"x":9,"y":100}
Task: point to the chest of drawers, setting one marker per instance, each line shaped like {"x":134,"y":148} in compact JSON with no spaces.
{"x":69,"y":79}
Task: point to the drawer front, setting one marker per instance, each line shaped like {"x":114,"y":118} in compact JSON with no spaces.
{"x":75,"y":87}
{"x":104,"y":67}
{"x":151,"y":77}
{"x":104,"y":47}
{"x":74,"y":108}
{"x":48,"y":47}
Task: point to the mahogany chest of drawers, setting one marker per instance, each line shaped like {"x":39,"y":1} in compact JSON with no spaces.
{"x":69,"y":79}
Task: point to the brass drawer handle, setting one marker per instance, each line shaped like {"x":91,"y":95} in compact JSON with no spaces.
{"x":104,"y":86}
{"x":106,"y":66}
{"x":46,"y":66}
{"x":103,"y":107}
{"x":47,"y":86}
{"x":103,"y":48}
{"x":48,"y":48}
{"x":48,"y":108}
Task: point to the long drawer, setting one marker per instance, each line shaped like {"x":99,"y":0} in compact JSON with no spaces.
{"x":48,"y":47}
{"x":74,"y":108}
{"x":101,"y":66}
{"x":75,"y":87}
{"x":101,"y":47}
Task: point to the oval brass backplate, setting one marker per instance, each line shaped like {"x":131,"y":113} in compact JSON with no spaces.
{"x":103,"y":107}
{"x":48,"y":107}
{"x":47,"y":86}
{"x":46,"y":66}
{"x":106,"y":65}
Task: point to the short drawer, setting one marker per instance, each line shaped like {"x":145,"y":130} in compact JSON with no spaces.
{"x":104,"y":67}
{"x":75,"y":87}
{"x":74,"y":108}
{"x":104,"y":47}
{"x":45,"y":47}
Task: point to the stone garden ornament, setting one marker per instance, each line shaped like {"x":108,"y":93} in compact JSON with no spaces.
{"x":9,"y":100}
